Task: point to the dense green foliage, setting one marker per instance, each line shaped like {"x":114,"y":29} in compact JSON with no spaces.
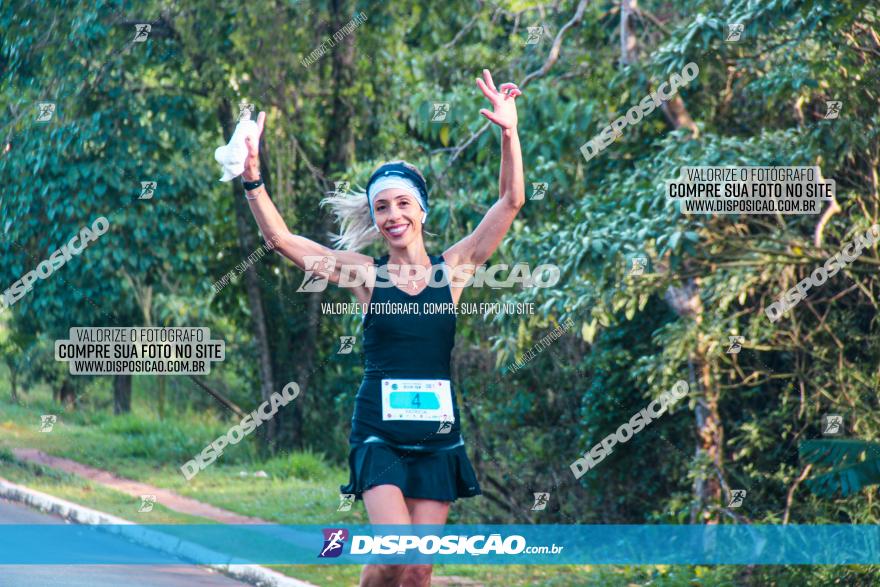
{"x":128,"y":112}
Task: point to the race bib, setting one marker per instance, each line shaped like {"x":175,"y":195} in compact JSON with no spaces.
{"x":417,"y":399}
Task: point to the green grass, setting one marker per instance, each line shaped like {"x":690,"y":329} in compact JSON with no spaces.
{"x":302,"y":487}
{"x":86,"y":493}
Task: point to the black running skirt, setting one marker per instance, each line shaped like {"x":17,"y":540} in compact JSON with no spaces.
{"x":440,"y":474}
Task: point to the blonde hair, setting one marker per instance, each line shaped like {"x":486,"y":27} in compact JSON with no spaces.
{"x":352,"y":213}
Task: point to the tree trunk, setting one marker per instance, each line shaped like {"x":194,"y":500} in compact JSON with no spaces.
{"x":678,"y":116}
{"x":629,"y":48}
{"x":122,"y":389}
{"x":674,"y":109}
{"x":306,"y":344}
{"x":121,"y":394}
{"x":686,"y":302}
{"x":248,"y":243}
{"x":707,"y":485}
{"x":340,"y":133}
{"x":13,"y":376}
{"x":67,"y":394}
{"x":339,"y":156}
{"x":161,"y":398}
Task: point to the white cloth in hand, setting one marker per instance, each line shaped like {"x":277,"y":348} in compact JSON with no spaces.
{"x":231,"y":157}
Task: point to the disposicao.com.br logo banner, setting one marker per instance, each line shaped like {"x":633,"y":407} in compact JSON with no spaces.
{"x":268,"y":544}
{"x":420,"y":543}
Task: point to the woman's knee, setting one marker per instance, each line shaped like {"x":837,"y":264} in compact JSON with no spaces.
{"x":386,"y":505}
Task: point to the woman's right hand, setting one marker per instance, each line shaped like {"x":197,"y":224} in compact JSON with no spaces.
{"x":252,"y":164}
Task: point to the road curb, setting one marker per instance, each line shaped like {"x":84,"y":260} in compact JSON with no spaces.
{"x":251,"y":574}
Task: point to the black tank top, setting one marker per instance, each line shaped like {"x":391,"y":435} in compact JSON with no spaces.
{"x":406,"y":346}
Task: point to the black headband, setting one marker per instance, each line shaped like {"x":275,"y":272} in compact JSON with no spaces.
{"x":401,"y":170}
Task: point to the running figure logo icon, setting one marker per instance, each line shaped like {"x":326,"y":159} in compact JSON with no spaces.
{"x":638,"y":265}
{"x":540,"y":190}
{"x":345,"y":502}
{"x":245,"y":111}
{"x":346,"y":345}
{"x":441,"y":109}
{"x":142,"y":32}
{"x":147,"y":189}
{"x":832,"y":425}
{"x":147,"y":502}
{"x":736,"y":498}
{"x":445,"y":427}
{"x":46,"y":110}
{"x":47,"y":421}
{"x":535,"y":34}
{"x":834,"y":107}
{"x":734,"y":32}
{"x":541,"y":500}
{"x":334,"y":540}
{"x":317,"y":271}
{"x":735,"y":344}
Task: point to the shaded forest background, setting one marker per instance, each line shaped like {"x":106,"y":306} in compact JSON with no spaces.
{"x":129,"y":112}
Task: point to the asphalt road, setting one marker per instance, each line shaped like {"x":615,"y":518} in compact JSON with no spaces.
{"x":185,"y":575}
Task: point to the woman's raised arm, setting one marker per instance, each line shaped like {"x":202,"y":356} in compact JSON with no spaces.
{"x":274,"y":229}
{"x":477,"y":247}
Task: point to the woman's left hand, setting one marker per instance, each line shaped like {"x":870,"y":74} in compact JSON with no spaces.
{"x":504,"y":114}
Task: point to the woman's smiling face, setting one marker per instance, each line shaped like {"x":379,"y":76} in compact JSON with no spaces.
{"x":398,"y":216}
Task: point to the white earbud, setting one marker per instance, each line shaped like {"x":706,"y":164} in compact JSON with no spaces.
{"x":424,"y":216}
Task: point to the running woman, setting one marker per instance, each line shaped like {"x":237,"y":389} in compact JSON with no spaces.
{"x":407,"y":462}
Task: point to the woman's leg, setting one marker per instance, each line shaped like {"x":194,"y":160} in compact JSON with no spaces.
{"x":385,"y":505}
{"x":423,"y":511}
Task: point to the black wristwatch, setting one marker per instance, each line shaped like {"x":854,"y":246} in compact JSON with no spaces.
{"x":251,"y":185}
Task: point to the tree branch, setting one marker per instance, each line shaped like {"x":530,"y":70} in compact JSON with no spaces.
{"x":791,"y":491}
{"x":219,"y":397}
{"x":552,"y":58}
{"x":467,"y":27}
